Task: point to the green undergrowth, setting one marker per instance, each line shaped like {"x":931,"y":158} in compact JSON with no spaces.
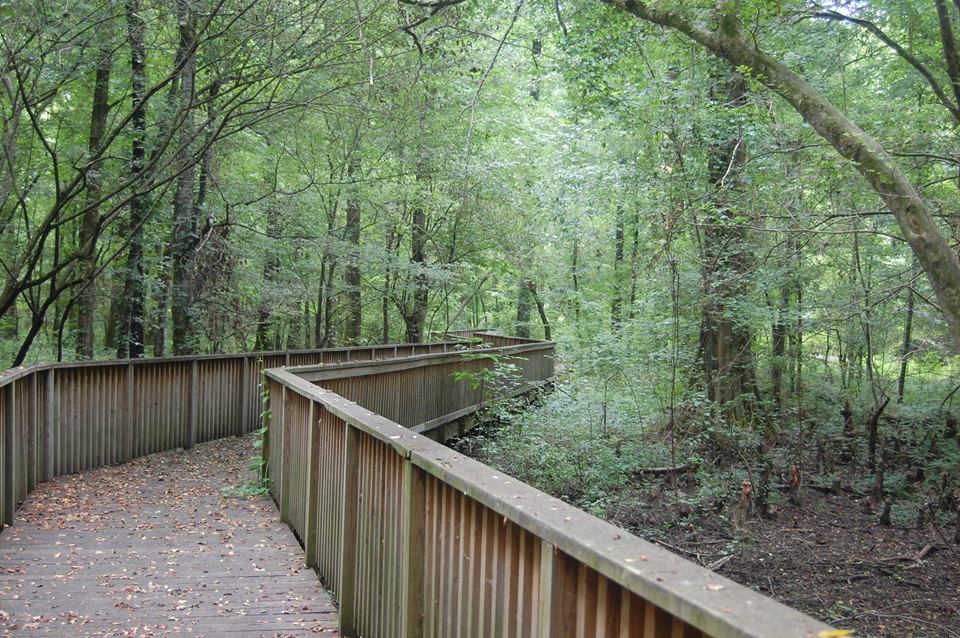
{"x":595,"y":448}
{"x":259,"y":483}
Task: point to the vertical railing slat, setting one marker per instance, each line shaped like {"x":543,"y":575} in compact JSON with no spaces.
{"x":9,"y":453}
{"x":413,"y":546}
{"x":347,"y":590}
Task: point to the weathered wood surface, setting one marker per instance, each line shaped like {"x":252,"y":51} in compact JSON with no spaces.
{"x":432,"y":544}
{"x":62,"y":418}
{"x":154,"y":548}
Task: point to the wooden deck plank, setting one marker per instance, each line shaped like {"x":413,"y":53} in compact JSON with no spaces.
{"x":153,"y":548}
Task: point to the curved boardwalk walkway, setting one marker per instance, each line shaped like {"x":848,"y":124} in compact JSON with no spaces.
{"x":153,"y":548}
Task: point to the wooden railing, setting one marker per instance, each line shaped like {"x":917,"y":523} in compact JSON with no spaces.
{"x":414,"y":539}
{"x":58,"y":419}
{"x":417,"y":540}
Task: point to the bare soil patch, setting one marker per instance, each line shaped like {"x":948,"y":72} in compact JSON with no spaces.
{"x":828,"y":558}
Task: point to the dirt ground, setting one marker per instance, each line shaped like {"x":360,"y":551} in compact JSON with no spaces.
{"x":827,"y":558}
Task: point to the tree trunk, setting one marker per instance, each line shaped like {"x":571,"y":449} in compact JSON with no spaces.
{"x":524,"y":299}
{"x":418,"y":256}
{"x":878,"y":168}
{"x":634,"y":261}
{"x":161,"y":311}
{"x":87,"y":302}
{"x":542,"y":311}
{"x":321,"y":334}
{"x":725,"y":342}
{"x":271,"y":266}
{"x":351,"y":269}
{"x":130,"y":308}
{"x":385,"y":298}
{"x":575,"y":276}
{"x":327,"y":339}
{"x":616,"y":306}
{"x":184,"y":214}
{"x":907,"y":337}
{"x":778,"y":362}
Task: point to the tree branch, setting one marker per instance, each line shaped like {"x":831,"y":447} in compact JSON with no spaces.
{"x":908,"y":57}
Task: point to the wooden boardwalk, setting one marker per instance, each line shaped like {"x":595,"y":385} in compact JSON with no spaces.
{"x":153,"y":548}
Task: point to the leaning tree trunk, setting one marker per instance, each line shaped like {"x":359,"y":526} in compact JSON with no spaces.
{"x":542,"y":311}
{"x":730,"y":42}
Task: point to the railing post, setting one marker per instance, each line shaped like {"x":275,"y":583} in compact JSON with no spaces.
{"x":412,"y":559}
{"x":267,"y":423}
{"x":313,"y":478}
{"x":194,"y":396}
{"x":49,"y":425}
{"x":347,"y":591}
{"x":545,"y":591}
{"x":34,"y":433}
{"x":9,"y":453}
{"x":245,"y":379}
{"x":128,"y":423}
{"x":283,"y":502}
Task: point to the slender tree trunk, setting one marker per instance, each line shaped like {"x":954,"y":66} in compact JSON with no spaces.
{"x":542,"y":311}
{"x":271,"y":266}
{"x":328,"y":309}
{"x":321,"y":326}
{"x":524,"y":299}
{"x":418,"y":256}
{"x":949,"y":46}
{"x":308,"y":341}
{"x":778,"y":363}
{"x":159,"y":320}
{"x":351,"y":268}
{"x":906,"y":347}
{"x":184,"y":240}
{"x":385,"y":299}
{"x":575,"y":276}
{"x":616,"y":306}
{"x":130,"y":308}
{"x":87,"y":301}
{"x":634,"y":261}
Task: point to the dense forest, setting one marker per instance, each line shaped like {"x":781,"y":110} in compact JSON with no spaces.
{"x":739,"y":221}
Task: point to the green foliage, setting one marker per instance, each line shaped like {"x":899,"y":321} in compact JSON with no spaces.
{"x":580,"y":158}
{"x":259,"y":483}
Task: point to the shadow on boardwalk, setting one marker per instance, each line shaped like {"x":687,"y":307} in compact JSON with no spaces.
{"x":153,"y":548}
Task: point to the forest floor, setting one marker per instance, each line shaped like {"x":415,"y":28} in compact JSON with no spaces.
{"x":827,"y":558}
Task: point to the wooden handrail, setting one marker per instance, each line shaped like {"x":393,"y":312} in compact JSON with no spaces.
{"x":418,"y":540}
{"x":60,"y":418}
